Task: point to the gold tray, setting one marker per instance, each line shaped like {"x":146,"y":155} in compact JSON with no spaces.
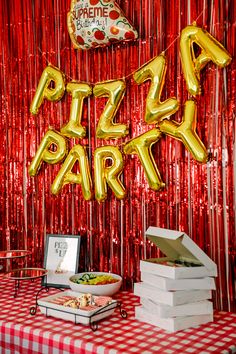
{"x":11,"y":254}
{"x":26,"y":273}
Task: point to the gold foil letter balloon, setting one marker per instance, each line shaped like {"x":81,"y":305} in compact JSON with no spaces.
{"x":50,"y":75}
{"x":65,"y":175}
{"x":211,"y":50}
{"x":45,"y":154}
{"x":93,"y":23}
{"x":104,"y":174}
{"x":115,"y":90}
{"x":155,"y":70}
{"x":79,"y":91}
{"x":142,"y":146}
{"x":186,"y":132}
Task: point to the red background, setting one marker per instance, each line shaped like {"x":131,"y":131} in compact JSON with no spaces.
{"x":198,"y":199}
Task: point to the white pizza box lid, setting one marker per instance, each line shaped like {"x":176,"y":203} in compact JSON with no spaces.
{"x":178,"y":245}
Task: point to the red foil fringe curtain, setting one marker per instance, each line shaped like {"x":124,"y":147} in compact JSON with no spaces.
{"x":198,"y":199}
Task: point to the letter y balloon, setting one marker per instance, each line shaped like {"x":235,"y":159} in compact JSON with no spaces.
{"x":94,"y":23}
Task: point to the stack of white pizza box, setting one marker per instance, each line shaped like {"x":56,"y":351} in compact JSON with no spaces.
{"x":175,"y":290}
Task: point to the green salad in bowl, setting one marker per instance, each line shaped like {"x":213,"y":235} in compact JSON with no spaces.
{"x":97,"y":283}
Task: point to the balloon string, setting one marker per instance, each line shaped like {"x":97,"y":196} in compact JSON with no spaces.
{"x":169,"y":46}
{"x":200,"y":14}
{"x":48,"y":62}
{"x":120,"y":145}
{"x":194,"y":23}
{"x":171,"y":43}
{"x":132,"y":73}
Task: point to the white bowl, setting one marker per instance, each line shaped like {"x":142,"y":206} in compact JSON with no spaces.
{"x":106,"y":289}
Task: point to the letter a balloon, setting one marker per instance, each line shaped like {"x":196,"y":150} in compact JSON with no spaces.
{"x":93,"y":23}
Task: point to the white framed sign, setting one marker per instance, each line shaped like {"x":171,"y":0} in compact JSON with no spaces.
{"x":61,"y":259}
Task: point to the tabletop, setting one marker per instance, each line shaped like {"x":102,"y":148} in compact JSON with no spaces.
{"x":21,"y":332}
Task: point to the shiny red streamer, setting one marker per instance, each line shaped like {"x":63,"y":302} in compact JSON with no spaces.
{"x":199,"y":199}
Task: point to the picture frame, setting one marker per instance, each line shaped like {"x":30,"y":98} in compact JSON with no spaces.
{"x":61,"y":259}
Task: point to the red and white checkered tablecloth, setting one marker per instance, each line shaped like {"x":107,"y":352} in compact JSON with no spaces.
{"x":23,"y":333}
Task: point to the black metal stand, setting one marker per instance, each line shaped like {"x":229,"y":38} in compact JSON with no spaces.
{"x":123,"y":313}
{"x":18,"y":275}
{"x":93,"y":324}
{"x":16,"y":288}
{"x":17,"y":285}
{"x":33,"y":309}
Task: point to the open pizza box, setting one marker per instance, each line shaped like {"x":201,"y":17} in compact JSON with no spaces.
{"x":184,"y":258}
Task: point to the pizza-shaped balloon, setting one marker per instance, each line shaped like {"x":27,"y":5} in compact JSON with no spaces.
{"x":93,"y":23}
